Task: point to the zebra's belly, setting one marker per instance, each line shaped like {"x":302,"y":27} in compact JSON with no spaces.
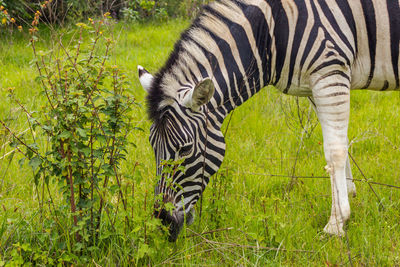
{"x":382,"y":80}
{"x":299,"y":90}
{"x":379,"y":78}
{"x":383,"y":83}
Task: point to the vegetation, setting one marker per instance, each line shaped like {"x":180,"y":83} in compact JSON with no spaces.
{"x":62,"y":11}
{"x":266,"y":207}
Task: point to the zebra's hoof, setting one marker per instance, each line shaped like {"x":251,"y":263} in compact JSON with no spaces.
{"x":334,"y":228}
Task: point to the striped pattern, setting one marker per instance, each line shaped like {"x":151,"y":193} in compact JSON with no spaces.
{"x":316,"y":48}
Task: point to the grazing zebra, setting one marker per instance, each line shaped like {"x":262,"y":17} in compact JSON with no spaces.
{"x":319,"y":49}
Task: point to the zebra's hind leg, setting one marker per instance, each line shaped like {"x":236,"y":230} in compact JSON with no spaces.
{"x":331,"y":96}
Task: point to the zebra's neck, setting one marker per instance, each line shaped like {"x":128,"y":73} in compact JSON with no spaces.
{"x":238,"y":46}
{"x":230,"y":43}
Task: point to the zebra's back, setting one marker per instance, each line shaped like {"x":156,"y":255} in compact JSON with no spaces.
{"x":361,"y":34}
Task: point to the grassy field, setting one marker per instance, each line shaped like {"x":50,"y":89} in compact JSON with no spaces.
{"x":253,"y":213}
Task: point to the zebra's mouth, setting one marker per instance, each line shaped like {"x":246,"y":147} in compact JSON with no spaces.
{"x":175,"y":221}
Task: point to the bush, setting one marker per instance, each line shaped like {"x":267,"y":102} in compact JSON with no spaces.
{"x":86,"y":122}
{"x":63,"y":11}
{"x":150,"y":9}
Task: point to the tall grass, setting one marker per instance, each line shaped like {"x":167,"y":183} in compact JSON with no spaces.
{"x":251,"y":216}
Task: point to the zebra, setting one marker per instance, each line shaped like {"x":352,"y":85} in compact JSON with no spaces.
{"x":320,"y":49}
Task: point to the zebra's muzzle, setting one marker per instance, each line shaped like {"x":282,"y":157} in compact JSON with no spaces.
{"x":175,"y":221}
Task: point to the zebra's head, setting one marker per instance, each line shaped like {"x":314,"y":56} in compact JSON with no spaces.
{"x":183,"y":132}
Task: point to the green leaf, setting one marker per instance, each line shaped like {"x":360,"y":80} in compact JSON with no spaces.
{"x":21,"y":162}
{"x":114,"y":188}
{"x":143,"y":251}
{"x":138,"y":129}
{"x":65,"y":135}
{"x":86,"y":151}
{"x":35,"y":162}
{"x":81,"y":132}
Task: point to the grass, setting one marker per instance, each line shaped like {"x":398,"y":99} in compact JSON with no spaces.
{"x":249,"y":206}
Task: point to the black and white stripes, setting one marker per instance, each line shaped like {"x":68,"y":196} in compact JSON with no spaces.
{"x":316,"y":48}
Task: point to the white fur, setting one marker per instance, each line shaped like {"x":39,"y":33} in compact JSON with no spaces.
{"x":146,"y":80}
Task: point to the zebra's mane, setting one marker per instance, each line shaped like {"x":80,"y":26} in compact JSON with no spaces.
{"x":159,"y":93}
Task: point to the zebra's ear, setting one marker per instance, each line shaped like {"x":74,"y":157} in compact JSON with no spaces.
{"x":200,"y":95}
{"x":145,"y":78}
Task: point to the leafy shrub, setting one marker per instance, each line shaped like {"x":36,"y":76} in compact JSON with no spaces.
{"x":62,"y":11}
{"x":19,"y":9}
{"x":86,"y":122}
{"x":7,"y":20}
{"x":144,"y":9}
{"x":190,"y":8}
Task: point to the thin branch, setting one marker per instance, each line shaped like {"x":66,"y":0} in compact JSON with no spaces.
{"x":19,"y":140}
{"x":289,"y":187}
{"x":40,"y":73}
{"x":366,"y":180}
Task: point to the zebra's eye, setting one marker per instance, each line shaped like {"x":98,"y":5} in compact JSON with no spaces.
{"x":185,"y":150}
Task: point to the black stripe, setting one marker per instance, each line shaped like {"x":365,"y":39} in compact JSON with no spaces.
{"x":385,"y":86}
{"x":333,"y":73}
{"x":333,"y":94}
{"x":231,"y":66}
{"x":334,"y":25}
{"x":297,"y":40}
{"x":216,"y":71}
{"x":310,"y":42}
{"x":218,"y":138}
{"x":328,"y":64}
{"x":394,"y":22}
{"x":348,"y":15}
{"x":370,"y":21}
{"x":318,"y":54}
{"x":281,"y":34}
{"x":246,"y":57}
{"x":335,"y":85}
{"x":189,"y":194}
{"x":263,"y":39}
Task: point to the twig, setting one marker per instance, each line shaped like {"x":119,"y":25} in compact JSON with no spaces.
{"x":348,"y":247}
{"x":366,"y":180}
{"x":19,"y":140}
{"x":26,"y":111}
{"x":289,"y":187}
{"x":19,"y":134}
{"x":9,"y":153}
{"x":376,"y":183}
{"x":40,"y":73}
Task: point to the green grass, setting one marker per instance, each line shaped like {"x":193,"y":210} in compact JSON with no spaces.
{"x":254,"y":208}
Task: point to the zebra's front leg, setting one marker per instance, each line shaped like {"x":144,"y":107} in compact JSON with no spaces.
{"x":332,"y":100}
{"x":351,"y":187}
